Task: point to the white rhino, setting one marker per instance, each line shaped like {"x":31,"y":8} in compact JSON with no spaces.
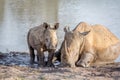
{"x":89,"y":45}
{"x":42,"y":38}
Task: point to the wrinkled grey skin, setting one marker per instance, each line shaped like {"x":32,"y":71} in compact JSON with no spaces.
{"x":89,"y":45}
{"x":42,"y":38}
{"x":70,"y":50}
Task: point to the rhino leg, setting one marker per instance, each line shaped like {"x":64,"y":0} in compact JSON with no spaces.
{"x":40,"y":58}
{"x":41,"y":61}
{"x":32,"y":55}
{"x":57,"y":56}
{"x":37,"y":57}
{"x":50,"y":58}
{"x":85,"y":60}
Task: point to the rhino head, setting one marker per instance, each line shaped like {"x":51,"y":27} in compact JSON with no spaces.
{"x":73,"y":44}
{"x":50,"y":36}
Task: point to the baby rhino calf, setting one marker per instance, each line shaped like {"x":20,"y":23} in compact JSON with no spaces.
{"x":42,"y":38}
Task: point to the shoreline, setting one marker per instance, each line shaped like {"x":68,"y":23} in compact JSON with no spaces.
{"x":15,"y":66}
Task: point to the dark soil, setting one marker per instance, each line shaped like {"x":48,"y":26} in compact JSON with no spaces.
{"x":15,"y":66}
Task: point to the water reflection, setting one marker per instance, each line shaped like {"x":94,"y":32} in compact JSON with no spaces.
{"x":19,"y":16}
{"x":2,"y":2}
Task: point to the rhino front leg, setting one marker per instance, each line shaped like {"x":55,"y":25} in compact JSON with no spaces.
{"x":50,"y":57}
{"x":85,"y":60}
{"x":40,"y":55}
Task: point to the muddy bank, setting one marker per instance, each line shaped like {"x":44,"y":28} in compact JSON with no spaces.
{"x":14,"y":58}
{"x":15,"y":66}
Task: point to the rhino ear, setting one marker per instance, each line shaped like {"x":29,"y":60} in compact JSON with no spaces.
{"x":45,"y":25}
{"x":56,"y":26}
{"x":66,"y":29}
{"x":85,"y":33}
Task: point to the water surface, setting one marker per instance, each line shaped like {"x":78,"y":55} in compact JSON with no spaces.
{"x":18,"y":16}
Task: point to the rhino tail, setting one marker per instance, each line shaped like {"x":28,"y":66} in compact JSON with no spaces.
{"x":28,"y":37}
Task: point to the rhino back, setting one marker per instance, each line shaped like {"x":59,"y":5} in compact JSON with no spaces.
{"x":82,"y":27}
{"x":99,"y":36}
{"x":99,"y":41}
{"x":106,"y":43}
{"x":103,"y":43}
{"x":103,"y":37}
{"x":36,"y":36}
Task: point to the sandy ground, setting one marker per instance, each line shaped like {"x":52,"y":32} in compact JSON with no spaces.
{"x":15,"y":66}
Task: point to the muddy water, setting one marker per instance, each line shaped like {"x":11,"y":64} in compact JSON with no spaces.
{"x":18,"y":16}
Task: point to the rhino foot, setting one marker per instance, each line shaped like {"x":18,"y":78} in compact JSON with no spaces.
{"x":86,"y":60}
{"x":41,"y":64}
{"x":32,"y":62}
{"x":50,"y":65}
{"x":82,"y":65}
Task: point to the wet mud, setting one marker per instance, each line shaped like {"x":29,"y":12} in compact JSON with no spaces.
{"x":15,"y":66}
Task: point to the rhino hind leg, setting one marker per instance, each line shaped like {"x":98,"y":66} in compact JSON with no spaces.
{"x":37,"y":58}
{"x":32,"y":55}
{"x":85,"y":60}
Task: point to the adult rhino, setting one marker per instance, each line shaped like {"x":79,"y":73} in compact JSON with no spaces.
{"x":42,"y":38}
{"x":89,"y":45}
